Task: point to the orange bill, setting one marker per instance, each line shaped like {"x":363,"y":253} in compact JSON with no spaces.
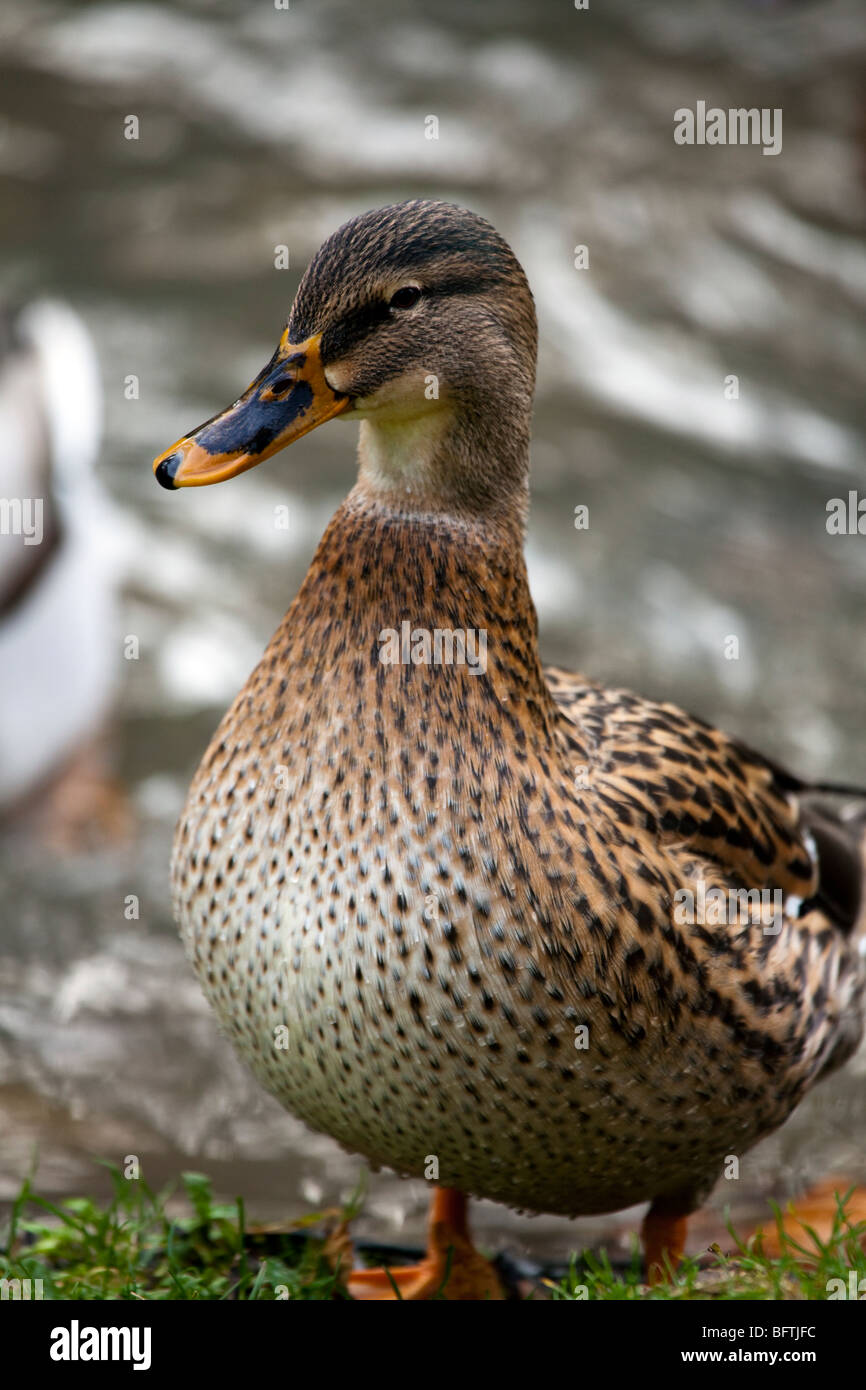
{"x":288,"y":398}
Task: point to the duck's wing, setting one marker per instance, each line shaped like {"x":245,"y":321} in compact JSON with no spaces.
{"x":695,"y":787}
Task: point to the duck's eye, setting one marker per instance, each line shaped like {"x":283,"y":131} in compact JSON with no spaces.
{"x":405,"y":297}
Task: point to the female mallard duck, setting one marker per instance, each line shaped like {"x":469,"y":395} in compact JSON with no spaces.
{"x":435,"y":892}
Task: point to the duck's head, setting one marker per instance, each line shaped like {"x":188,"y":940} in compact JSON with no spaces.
{"x":416,"y":319}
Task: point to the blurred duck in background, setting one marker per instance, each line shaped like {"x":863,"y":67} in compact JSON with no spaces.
{"x":57,"y":634}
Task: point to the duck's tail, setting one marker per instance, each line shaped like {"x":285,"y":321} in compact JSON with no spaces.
{"x":838,"y":833}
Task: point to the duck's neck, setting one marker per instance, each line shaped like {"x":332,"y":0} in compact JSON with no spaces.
{"x":468,"y":463}
{"x":427,"y":600}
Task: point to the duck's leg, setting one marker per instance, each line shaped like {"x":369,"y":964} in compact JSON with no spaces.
{"x":452,"y":1265}
{"x":664,"y":1240}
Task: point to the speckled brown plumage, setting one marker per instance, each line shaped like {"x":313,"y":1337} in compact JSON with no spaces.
{"x":432,"y":879}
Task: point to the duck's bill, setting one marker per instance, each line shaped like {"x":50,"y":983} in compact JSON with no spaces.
{"x":286,"y":400}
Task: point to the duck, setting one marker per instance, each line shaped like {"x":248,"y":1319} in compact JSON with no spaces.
{"x":436,"y":892}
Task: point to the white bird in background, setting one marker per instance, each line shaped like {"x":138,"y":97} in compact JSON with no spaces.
{"x":58,"y":645}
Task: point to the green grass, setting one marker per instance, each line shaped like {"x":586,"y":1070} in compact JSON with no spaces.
{"x":131,"y":1248}
{"x":801,"y":1272}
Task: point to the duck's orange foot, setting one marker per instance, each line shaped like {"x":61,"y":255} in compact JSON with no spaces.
{"x":664,"y":1240}
{"x":452,"y":1269}
{"x":465,"y":1277}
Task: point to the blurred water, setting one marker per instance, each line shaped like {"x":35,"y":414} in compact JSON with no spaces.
{"x":261,"y":127}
